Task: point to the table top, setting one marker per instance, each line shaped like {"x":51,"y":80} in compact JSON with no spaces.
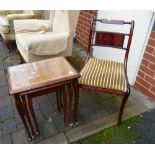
{"x":31,"y":76}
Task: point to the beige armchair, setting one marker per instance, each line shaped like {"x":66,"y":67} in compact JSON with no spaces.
{"x":6,"y":22}
{"x":43,"y":41}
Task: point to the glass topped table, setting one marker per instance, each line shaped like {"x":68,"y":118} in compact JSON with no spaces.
{"x":39,"y":78}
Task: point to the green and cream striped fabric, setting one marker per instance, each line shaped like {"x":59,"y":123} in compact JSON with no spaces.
{"x":104,"y":74}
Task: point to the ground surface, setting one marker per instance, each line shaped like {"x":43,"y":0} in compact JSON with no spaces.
{"x":93,"y":108}
{"x":124,"y":134}
{"x":139,"y":129}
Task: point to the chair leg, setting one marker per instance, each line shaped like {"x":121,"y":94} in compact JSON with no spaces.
{"x":124,"y":100}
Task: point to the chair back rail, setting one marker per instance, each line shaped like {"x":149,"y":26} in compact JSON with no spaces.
{"x":111,"y":39}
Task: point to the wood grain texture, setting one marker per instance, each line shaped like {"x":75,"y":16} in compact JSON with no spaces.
{"x":39,"y":74}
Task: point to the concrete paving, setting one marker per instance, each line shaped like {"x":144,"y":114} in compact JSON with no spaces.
{"x":96,"y":111}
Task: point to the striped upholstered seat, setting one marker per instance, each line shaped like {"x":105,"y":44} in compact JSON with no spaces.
{"x":104,"y":74}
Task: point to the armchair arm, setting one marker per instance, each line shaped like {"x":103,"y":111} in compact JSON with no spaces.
{"x":32,"y":25}
{"x":6,"y":12}
{"x":12,"y":17}
{"x":48,"y":44}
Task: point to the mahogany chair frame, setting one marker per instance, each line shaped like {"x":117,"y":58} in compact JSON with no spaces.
{"x":111,"y":40}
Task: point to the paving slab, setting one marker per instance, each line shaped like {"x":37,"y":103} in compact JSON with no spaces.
{"x":39,"y":115}
{"x":6,"y":113}
{"x":20,"y":126}
{"x":3,"y":91}
{"x":59,"y":123}
{"x":48,"y":129}
{"x":46,"y":107}
{"x":138,"y":97}
{"x":19,"y":137}
{"x":134,"y":110}
{"x":5,"y":101}
{"x":58,"y":139}
{"x":9,"y":126}
{"x":5,"y":139}
{"x":3,"y":81}
{"x":90,"y":128}
{"x":43,"y":98}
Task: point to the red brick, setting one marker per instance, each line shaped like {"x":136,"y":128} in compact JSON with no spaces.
{"x":86,"y":33}
{"x":147,"y":70}
{"x":143,"y":82}
{"x":153,"y":89}
{"x":141,"y":74}
{"x":83,"y":18}
{"x":139,"y":86}
{"x":149,"y":49}
{"x":87,"y":15}
{"x":152,"y":34}
{"x":145,"y":62}
{"x":82,"y":13}
{"x":149,"y":57}
{"x":151,"y":42}
{"x":144,"y":90}
{"x":149,"y":79}
{"x":152,"y":66}
{"x":83,"y":27}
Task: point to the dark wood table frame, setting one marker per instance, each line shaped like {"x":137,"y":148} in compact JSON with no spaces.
{"x":23,"y":101}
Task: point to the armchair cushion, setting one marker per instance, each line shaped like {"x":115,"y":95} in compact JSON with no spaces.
{"x":32,"y":25}
{"x":12,"y":17}
{"x":49,"y":43}
{"x":4,"y":25}
{"x":104,"y":74}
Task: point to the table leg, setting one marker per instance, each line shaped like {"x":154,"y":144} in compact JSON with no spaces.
{"x":24,"y":104}
{"x":60,"y":96}
{"x":19,"y":109}
{"x":58,"y":101}
{"x":76,"y":100}
{"x":70,"y":95}
{"x":64,"y":104}
{"x":33,"y":113}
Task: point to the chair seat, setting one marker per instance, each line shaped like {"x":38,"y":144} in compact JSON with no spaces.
{"x":104,"y":74}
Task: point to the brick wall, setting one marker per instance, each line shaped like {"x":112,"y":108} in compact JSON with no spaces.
{"x":145,"y":80}
{"x":83,"y":27}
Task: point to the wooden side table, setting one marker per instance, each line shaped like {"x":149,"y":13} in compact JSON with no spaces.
{"x":39,"y":78}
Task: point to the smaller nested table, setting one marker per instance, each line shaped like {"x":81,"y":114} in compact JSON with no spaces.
{"x":34,"y":79}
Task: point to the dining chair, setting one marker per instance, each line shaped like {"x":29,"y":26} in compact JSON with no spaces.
{"x":108,"y":76}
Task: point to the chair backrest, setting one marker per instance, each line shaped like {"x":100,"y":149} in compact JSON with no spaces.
{"x":38,"y":13}
{"x":110,"y":39}
{"x":51,"y":15}
{"x":65,"y":21}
